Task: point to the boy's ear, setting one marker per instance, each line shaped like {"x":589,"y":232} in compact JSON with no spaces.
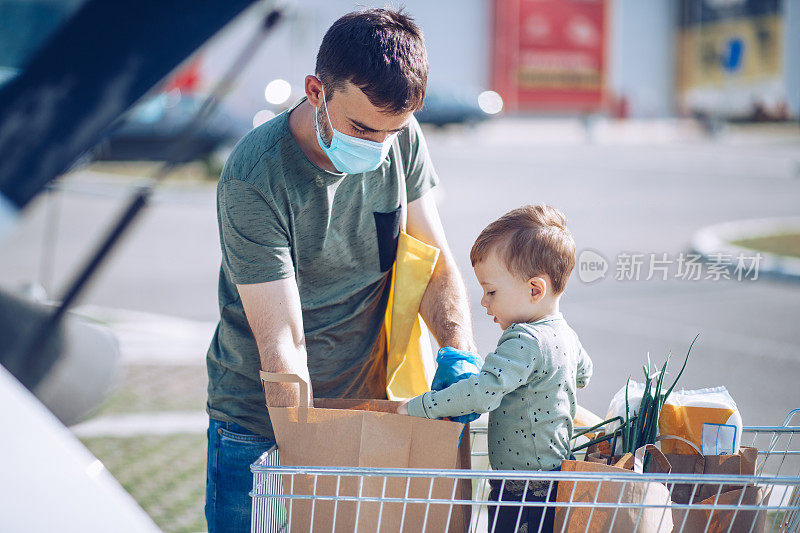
{"x":538,"y":289}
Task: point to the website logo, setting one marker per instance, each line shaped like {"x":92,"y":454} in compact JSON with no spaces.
{"x":591,"y":266}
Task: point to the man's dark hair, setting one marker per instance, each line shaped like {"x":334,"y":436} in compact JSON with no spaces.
{"x":380,"y":51}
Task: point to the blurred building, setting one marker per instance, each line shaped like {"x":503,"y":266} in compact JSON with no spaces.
{"x":659,"y":58}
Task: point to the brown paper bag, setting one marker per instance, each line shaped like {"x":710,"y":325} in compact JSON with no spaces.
{"x":368,"y":433}
{"x":741,"y":463}
{"x":595,"y":519}
{"x":694,"y":464}
{"x":724,"y":520}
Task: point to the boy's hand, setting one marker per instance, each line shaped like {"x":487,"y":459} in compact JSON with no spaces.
{"x":402,"y":409}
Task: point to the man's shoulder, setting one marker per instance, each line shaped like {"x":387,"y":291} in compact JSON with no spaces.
{"x":257,"y":152}
{"x":411,"y":139}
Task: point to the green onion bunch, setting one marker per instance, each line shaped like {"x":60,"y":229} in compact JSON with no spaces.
{"x":641,"y":426}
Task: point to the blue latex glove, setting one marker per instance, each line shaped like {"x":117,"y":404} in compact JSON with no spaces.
{"x":452,"y":366}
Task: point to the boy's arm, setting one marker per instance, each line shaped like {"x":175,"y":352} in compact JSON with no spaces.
{"x":584,"y":368}
{"x":507,"y":368}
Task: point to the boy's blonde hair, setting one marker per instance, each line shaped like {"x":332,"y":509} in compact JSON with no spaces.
{"x":530,"y":240}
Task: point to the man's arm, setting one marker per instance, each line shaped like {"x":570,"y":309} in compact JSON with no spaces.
{"x":275,"y":316}
{"x":444,"y":307}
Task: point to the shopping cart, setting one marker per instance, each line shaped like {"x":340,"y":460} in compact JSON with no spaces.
{"x":367,"y":496}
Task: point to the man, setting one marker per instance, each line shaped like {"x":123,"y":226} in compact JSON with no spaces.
{"x":309,"y":209}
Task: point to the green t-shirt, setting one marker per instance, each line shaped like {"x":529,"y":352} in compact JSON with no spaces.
{"x":280,"y":215}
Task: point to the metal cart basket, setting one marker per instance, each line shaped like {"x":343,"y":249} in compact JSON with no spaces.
{"x":767,"y":501}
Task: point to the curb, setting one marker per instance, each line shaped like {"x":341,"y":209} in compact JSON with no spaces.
{"x":143,"y":424}
{"x":715,"y":240}
{"x":154,"y":339}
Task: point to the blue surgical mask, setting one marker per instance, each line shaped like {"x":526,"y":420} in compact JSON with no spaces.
{"x":352,"y":155}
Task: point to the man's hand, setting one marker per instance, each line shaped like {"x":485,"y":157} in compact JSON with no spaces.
{"x":275,"y":316}
{"x":454,"y":365}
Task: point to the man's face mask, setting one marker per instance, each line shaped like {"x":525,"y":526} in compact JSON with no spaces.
{"x":352,"y":155}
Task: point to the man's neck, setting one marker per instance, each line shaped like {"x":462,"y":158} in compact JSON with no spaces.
{"x":301,"y":124}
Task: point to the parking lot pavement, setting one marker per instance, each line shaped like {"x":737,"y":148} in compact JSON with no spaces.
{"x":640,"y":196}
{"x":644,"y":192}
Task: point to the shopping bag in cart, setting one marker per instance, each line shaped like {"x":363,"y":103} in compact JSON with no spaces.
{"x":717,"y":520}
{"x":690,"y":520}
{"x":368,"y":434}
{"x":742,"y":463}
{"x":651,"y":511}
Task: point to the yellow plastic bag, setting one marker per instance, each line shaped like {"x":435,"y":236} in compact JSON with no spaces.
{"x":401,"y":364}
{"x":409,"y":362}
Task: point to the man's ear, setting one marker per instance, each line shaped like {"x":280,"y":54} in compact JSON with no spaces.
{"x":313,"y":89}
{"x":538,"y":289}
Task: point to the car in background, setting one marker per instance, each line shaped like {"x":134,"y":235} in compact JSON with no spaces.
{"x":155,"y":130}
{"x":68,"y":70}
{"x":458,"y":107}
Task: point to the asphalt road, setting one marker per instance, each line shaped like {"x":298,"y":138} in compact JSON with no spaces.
{"x":637,"y":189}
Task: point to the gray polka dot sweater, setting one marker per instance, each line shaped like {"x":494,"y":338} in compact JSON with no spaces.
{"x":527,"y":385}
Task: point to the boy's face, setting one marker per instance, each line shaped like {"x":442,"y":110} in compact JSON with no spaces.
{"x":508,"y":298}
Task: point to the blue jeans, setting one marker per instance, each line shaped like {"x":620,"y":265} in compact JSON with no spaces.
{"x":231,"y":451}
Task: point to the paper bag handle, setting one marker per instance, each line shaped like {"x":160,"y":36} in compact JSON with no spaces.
{"x":635,"y":461}
{"x":685,"y":441}
{"x":275,"y":377}
{"x":700,"y":459}
{"x":655,"y":453}
{"x":626,"y":462}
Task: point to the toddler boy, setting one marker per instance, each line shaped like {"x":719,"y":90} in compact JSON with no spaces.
{"x":527,"y":385}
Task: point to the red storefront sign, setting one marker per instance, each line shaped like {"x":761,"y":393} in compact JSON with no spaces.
{"x":550,"y":54}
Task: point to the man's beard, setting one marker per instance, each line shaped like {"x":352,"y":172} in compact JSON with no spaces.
{"x":324,"y":129}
